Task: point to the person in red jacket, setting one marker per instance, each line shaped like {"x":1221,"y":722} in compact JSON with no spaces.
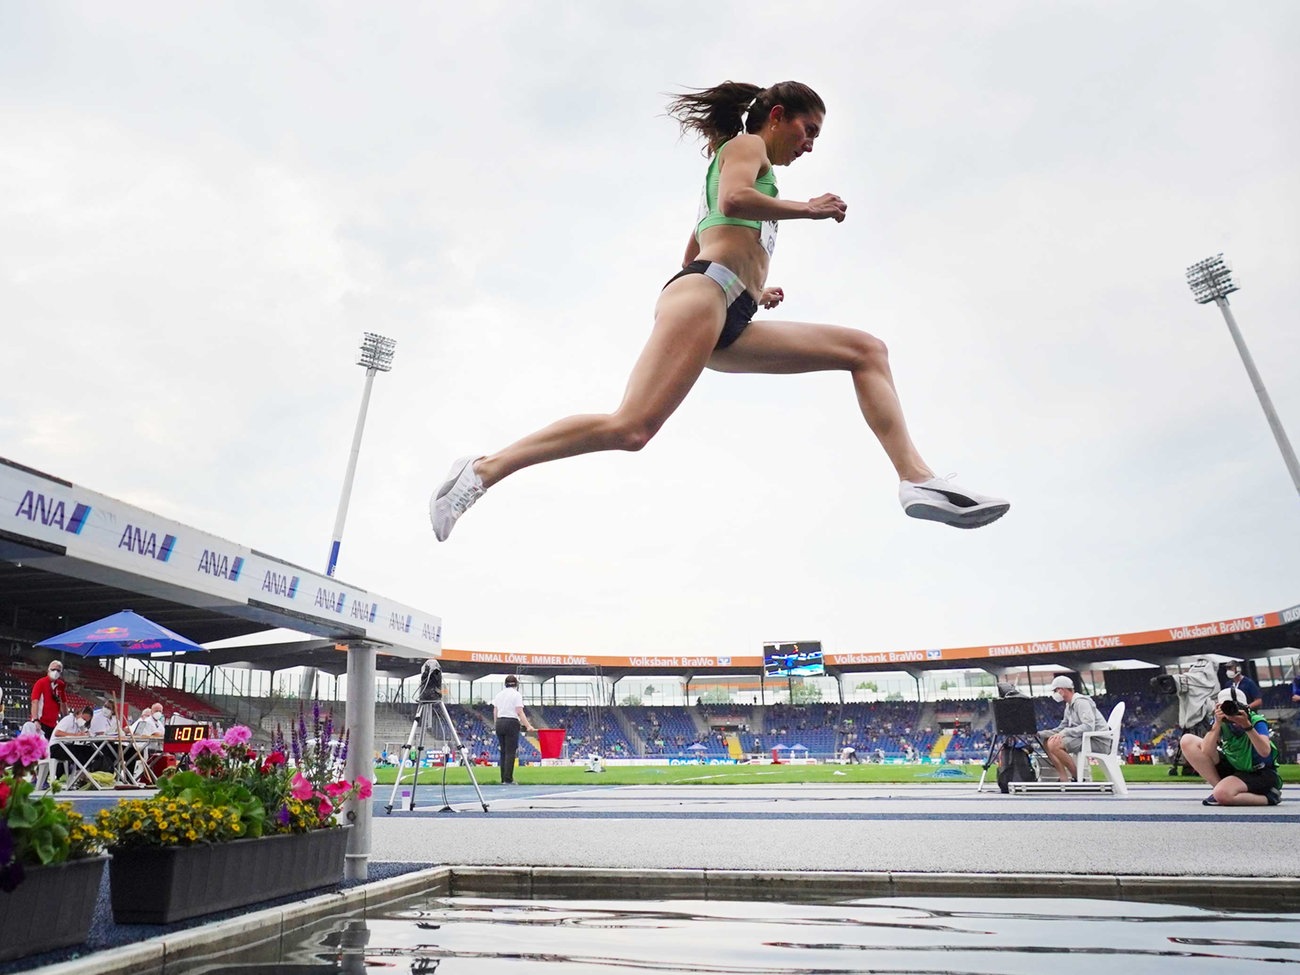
{"x":49,"y":698}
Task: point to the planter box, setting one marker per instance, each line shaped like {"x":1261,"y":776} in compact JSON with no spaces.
{"x":156,"y":885}
{"x":51,"y":908}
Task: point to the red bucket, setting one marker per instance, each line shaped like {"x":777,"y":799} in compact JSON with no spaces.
{"x":550,"y":741}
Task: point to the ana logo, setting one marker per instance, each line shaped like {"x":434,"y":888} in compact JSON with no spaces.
{"x":280,"y":585}
{"x":222,"y":566}
{"x":364,"y":611}
{"x":332,"y":601}
{"x":430,"y":631}
{"x":52,"y":512}
{"x":142,"y":541}
{"x":934,"y":655}
{"x":396,"y":621}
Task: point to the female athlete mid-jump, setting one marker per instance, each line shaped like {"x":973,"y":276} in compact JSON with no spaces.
{"x":704,"y":315}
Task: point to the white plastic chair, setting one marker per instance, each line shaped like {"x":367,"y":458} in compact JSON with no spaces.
{"x":1108,"y":760}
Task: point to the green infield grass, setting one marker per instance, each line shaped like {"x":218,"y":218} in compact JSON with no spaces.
{"x":759,"y":775}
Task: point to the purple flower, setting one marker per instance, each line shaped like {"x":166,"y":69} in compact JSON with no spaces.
{"x":284,"y":816}
{"x":343,"y":754}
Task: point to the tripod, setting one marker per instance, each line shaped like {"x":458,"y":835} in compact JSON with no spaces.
{"x":424,"y":713}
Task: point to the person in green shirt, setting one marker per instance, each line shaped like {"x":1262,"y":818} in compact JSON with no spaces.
{"x":1236,"y":756}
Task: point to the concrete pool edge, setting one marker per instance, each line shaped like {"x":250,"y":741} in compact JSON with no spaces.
{"x":193,"y":945}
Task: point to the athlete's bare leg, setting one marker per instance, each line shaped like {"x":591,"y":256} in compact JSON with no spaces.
{"x":795,"y":347}
{"x":688,"y":321}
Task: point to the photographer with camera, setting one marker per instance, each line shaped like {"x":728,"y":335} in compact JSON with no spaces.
{"x":1236,"y":756}
{"x":1196,"y":687}
{"x":1066,"y":740}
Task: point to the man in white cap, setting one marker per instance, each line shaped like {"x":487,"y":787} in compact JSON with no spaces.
{"x":1236,"y":756}
{"x":1065,"y":740}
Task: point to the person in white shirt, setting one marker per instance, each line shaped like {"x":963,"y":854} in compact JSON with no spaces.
{"x":103,"y":721}
{"x":508,"y":710}
{"x":74,"y":723}
{"x":149,"y":724}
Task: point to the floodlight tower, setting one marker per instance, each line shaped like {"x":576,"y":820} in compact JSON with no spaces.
{"x":376,"y":355}
{"x":1211,"y":281}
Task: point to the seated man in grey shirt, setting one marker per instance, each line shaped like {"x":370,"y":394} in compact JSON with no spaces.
{"x":1065,"y":740}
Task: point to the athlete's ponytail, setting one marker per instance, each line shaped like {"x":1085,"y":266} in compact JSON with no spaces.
{"x":724,"y":111}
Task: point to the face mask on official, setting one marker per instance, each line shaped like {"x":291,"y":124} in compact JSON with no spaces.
{"x":1056,"y":696}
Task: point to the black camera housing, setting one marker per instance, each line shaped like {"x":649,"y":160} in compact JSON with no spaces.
{"x":1164,"y":684}
{"x":1230,"y":708}
{"x":430,"y":682}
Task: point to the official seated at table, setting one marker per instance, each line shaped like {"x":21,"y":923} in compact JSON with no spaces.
{"x":103,"y":720}
{"x":150,"y":723}
{"x":74,"y":725}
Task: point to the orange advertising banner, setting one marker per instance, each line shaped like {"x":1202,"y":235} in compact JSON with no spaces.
{"x":1110,"y":641}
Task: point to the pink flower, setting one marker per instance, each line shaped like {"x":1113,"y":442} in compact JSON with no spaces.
{"x":364,"y":789}
{"x":337,"y":790}
{"x":31,"y":748}
{"x":237,"y":735}
{"x":205,"y":746}
{"x":9,"y":752}
{"x":300,"y":788}
{"x":326,"y":809}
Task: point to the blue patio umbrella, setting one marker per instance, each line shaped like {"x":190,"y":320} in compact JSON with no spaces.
{"x":119,"y":635}
{"x":697,"y":747}
{"x":799,"y":748}
{"x":781,"y":747}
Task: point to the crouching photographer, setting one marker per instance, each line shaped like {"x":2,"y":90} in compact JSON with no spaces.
{"x":1196,"y":687}
{"x":1236,"y":756}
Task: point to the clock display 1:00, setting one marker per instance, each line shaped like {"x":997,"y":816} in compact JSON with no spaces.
{"x":185,"y":733}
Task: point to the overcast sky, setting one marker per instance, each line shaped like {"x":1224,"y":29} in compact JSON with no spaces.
{"x":202,"y":207}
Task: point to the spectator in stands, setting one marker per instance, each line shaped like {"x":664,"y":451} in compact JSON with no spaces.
{"x":1295,"y":687}
{"x":49,"y":701}
{"x":1065,"y":740}
{"x":508,"y":712}
{"x":1236,"y":756}
{"x":1254,"y":696}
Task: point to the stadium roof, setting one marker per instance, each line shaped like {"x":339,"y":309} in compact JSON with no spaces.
{"x":69,"y":555}
{"x":1245,"y":637}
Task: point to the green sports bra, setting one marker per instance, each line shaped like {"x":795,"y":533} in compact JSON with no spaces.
{"x":711,"y":216}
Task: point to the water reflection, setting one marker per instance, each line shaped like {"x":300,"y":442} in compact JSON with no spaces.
{"x":955,"y":936}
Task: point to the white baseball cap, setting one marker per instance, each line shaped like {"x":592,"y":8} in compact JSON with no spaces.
{"x":1233,"y":694}
{"x":1062,"y":683}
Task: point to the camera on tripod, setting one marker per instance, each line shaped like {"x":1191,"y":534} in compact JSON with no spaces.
{"x":430,"y":682}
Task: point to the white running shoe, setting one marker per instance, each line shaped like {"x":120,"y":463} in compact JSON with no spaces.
{"x":454,"y":497}
{"x":939,"y":499}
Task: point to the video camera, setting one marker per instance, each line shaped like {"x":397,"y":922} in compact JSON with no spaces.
{"x":430,"y":682}
{"x":1164,"y":684}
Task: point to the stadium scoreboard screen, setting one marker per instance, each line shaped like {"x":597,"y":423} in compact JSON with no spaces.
{"x":793,"y":659}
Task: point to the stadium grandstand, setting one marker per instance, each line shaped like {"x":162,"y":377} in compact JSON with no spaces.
{"x":69,"y":556}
